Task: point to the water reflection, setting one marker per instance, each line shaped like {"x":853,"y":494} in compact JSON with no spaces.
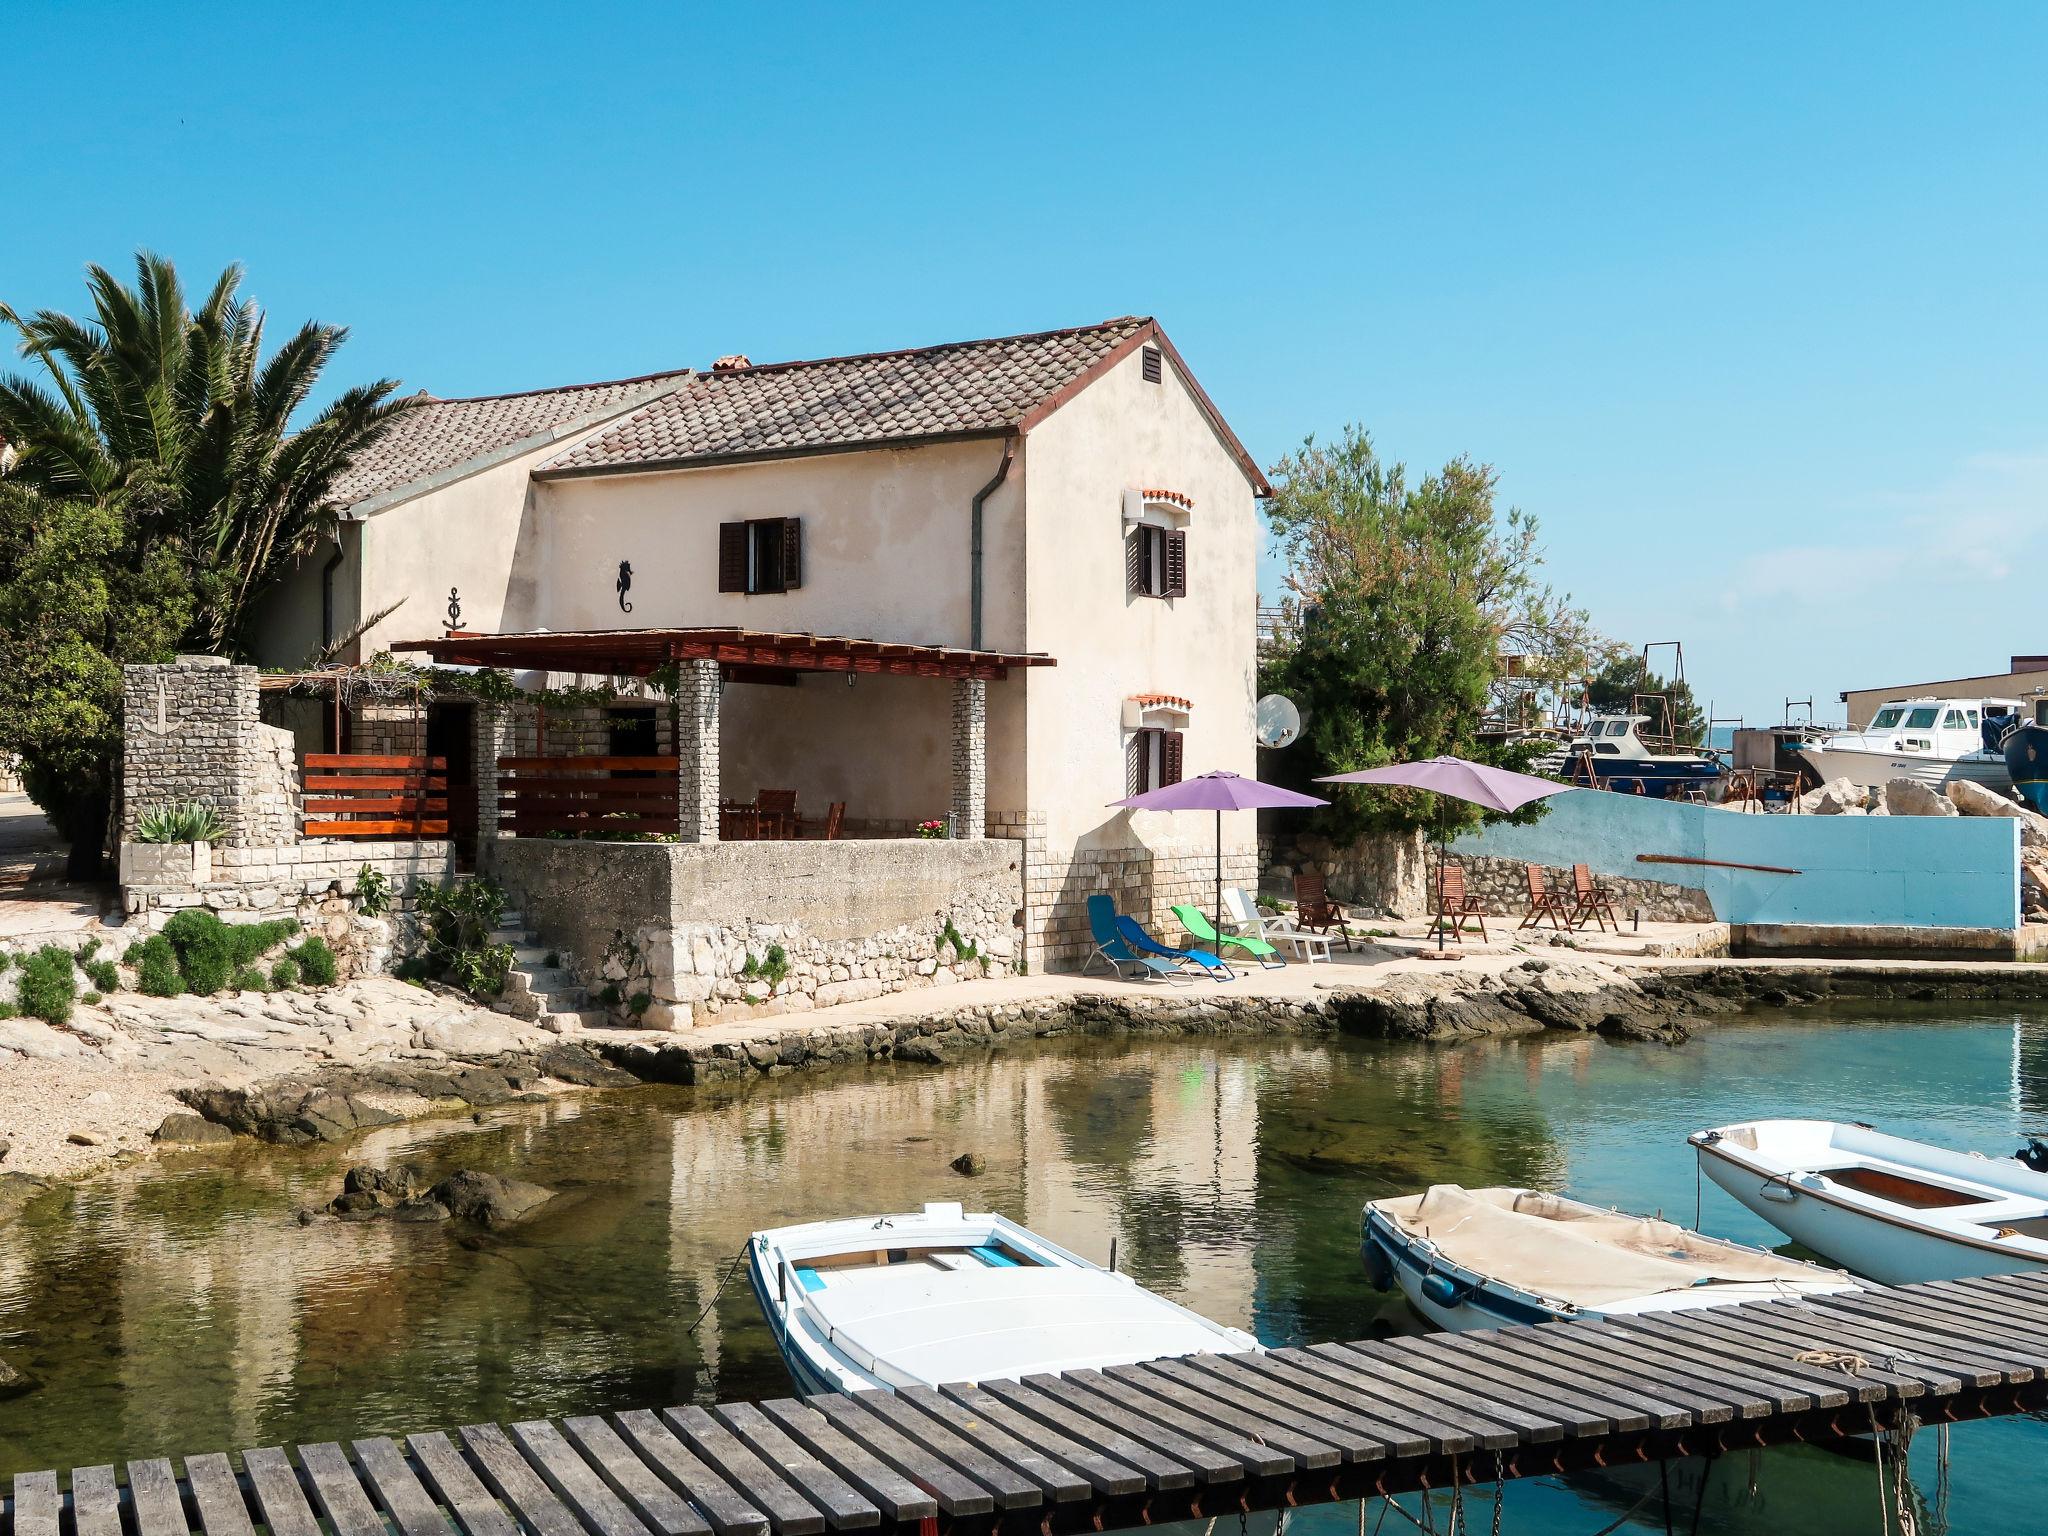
{"x":184,"y":1307}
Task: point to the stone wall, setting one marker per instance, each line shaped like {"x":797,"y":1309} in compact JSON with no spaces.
{"x":191,"y":734}
{"x":1502,"y":886}
{"x":1389,"y":873}
{"x":681,"y":921}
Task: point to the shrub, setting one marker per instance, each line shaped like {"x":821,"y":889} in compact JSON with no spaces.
{"x":9,"y":1011}
{"x":48,"y":989}
{"x":156,"y":965}
{"x":90,"y":998}
{"x":248,"y":979}
{"x":316,"y":962}
{"x":457,"y":925}
{"x":189,"y":822}
{"x":86,"y":951}
{"x":210,"y":952}
{"x":104,"y":974}
{"x":610,"y":994}
{"x":640,"y":1002}
{"x":6,"y":959}
{"x":285,"y":974}
{"x":373,"y":891}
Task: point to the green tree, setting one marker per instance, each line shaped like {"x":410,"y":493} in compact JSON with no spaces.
{"x":1401,"y":597}
{"x":155,"y":488}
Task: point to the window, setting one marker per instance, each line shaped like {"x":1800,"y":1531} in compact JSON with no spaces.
{"x":1952,"y":721}
{"x":763,"y":554}
{"x":1922,"y":719}
{"x":1617,"y":727}
{"x":1152,"y":760}
{"x":1887,"y":717}
{"x":1156,"y":562}
{"x":1606,"y":749}
{"x":1974,"y":721}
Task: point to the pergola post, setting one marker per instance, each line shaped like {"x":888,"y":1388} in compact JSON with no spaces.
{"x":491,"y":728}
{"x":970,"y":758}
{"x":697,"y":751}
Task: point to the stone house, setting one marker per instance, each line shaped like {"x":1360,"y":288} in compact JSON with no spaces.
{"x":995,"y":583}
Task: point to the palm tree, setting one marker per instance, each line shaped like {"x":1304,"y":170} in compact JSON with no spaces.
{"x":174,"y":414}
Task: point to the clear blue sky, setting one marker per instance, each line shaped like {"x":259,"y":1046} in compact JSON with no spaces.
{"x":1744,"y":302}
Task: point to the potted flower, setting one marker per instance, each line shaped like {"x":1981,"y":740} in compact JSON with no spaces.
{"x":173,"y":846}
{"x":931,"y":829}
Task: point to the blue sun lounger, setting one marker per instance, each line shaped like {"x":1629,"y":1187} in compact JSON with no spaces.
{"x":1135,"y":935}
{"x":1110,"y":944}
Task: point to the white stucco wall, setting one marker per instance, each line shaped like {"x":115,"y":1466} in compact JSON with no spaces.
{"x":885,"y":547}
{"x":884,"y":745}
{"x":1122,"y":432}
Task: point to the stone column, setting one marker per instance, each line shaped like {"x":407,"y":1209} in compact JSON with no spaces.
{"x":970,"y":758}
{"x":190,"y":734}
{"x":491,"y":725}
{"x":697,"y":754}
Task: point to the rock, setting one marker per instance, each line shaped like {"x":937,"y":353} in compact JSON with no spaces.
{"x":17,"y":1189}
{"x":489,"y":1200}
{"x":5,"y":1148}
{"x":1909,"y":797}
{"x":969,"y":1164}
{"x":184,"y":1129}
{"x":1973,"y":799}
{"x":14,"y":1382}
{"x":84,"y":1139}
{"x":1834,"y":797}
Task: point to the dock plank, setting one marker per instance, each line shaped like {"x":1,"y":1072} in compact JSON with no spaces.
{"x":38,"y":1505}
{"x":340,"y":1496}
{"x":730,"y":1513}
{"x":508,"y":1475}
{"x":1761,"y":1380}
{"x":1161,"y":1470}
{"x":411,"y":1508}
{"x":1250,"y":1399}
{"x":1779,"y":1343}
{"x":1213,"y":1465}
{"x":158,"y":1507}
{"x":845,"y":1508}
{"x":789,"y":1512}
{"x":659,"y":1506}
{"x":1375,"y":1377}
{"x":574,"y":1481}
{"x":279,"y":1498}
{"x":1968,"y":1363}
{"x":475,"y":1508}
{"x":1110,"y":1478}
{"x":957,"y":1493}
{"x":2016,"y":1357}
{"x":222,"y":1510}
{"x":1163,"y":1403}
{"x":1694,"y":1381}
{"x":1546,"y":1362}
{"x":96,"y":1503}
{"x":1412,"y":1435}
{"x":1992,"y":1320}
{"x":1013,"y":1489}
{"x":895,"y":1495}
{"x":1581,"y":1414}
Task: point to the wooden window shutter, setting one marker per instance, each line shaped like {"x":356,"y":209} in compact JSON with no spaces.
{"x":1169,"y":758}
{"x":1137,"y":564}
{"x":792,"y":553}
{"x":1176,"y":583}
{"x":732,"y":557}
{"x":1137,"y":758}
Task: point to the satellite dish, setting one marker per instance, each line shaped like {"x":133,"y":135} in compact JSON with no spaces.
{"x":1278,"y":721}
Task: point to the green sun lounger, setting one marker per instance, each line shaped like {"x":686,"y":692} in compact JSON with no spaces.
{"x":1204,"y":932}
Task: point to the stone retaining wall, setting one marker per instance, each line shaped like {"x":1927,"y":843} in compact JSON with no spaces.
{"x":1502,"y":886}
{"x":681,"y":922}
{"x":1384,"y":874}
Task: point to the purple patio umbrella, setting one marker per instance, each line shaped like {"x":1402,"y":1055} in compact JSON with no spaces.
{"x":1219,"y":791}
{"x":1498,"y":789}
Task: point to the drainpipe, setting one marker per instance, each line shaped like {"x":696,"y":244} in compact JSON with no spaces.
{"x":974,"y":576}
{"x":327,"y":593}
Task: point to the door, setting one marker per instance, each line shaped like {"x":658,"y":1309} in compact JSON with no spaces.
{"x":451,"y":733}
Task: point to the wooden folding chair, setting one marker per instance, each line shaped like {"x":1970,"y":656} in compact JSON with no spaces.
{"x":1455,"y":907}
{"x":835,"y":818}
{"x":1315,"y":912}
{"x":1544,"y":902}
{"x":1591,"y":902}
{"x":778,"y":813}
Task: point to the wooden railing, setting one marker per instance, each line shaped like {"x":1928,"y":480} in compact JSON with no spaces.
{"x":606,"y":795}
{"x":358,"y":794}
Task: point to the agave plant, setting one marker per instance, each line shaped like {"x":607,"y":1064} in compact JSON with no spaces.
{"x":176,"y":414}
{"x":186,"y":822}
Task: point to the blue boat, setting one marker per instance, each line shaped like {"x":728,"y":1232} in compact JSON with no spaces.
{"x":1612,"y":754}
{"x":2026,"y":756}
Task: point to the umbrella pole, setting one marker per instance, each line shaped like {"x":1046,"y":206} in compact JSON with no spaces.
{"x":1443,"y":848}
{"x":1219,"y":885}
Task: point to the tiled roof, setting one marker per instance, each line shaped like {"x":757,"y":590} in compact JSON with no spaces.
{"x":440,"y":435}
{"x":961,"y":389}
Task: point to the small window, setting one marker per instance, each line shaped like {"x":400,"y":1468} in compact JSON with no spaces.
{"x":1149,"y":360}
{"x":763,"y":554}
{"x":1152,"y":760}
{"x":1156,"y":562}
{"x":1887,"y":718}
{"x":1974,"y":721}
{"x":1607,"y":749}
{"x":1952,"y":721}
{"x":1922,"y":719}
{"x":1617,"y":728}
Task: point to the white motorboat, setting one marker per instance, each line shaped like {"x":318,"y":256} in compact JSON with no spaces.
{"x":942,"y":1296}
{"x":1611,"y":752}
{"x":1481,"y":1258}
{"x":1895,"y":1210}
{"x":1928,"y":740}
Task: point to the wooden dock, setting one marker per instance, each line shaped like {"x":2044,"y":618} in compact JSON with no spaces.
{"x":1134,"y":1445}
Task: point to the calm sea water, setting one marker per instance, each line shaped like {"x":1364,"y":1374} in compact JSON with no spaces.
{"x":182,"y":1307}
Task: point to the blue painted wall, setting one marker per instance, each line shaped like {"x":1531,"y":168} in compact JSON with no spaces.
{"x":1905,"y":871}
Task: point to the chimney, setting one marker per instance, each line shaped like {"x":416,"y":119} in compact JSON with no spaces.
{"x":732,"y":362}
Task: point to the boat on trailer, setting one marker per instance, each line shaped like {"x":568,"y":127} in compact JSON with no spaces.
{"x":1612,"y":752}
{"x":1896,"y":1210}
{"x":1487,"y":1258}
{"x":944,"y":1296}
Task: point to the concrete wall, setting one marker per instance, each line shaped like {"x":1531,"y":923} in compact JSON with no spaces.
{"x":1890,"y":871}
{"x":680,"y":920}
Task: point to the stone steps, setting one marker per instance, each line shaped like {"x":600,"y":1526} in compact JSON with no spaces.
{"x":547,"y":995}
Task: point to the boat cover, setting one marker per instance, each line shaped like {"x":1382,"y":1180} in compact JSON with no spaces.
{"x":1567,"y":1251}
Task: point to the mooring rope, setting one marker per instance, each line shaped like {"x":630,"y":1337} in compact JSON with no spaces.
{"x":723,"y":1281}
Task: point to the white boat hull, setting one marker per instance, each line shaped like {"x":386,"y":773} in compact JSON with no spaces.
{"x":1809,"y":1193}
{"x":1873,"y":770}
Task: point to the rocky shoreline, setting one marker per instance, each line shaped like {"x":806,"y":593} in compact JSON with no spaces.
{"x":379,"y":1052}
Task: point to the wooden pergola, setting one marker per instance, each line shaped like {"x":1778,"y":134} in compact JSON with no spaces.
{"x":638,"y":652}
